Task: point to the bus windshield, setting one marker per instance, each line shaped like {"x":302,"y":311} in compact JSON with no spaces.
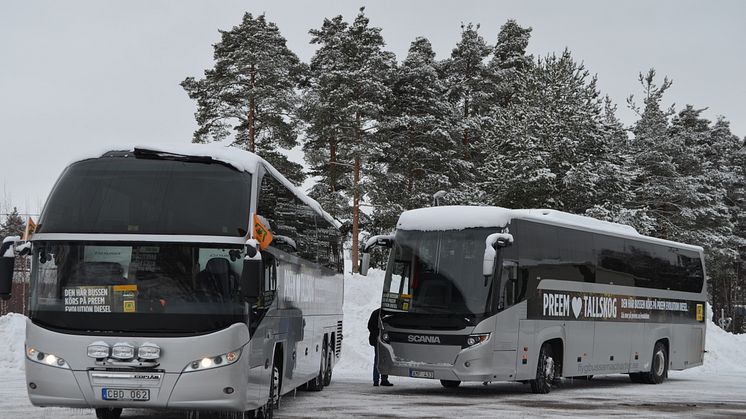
{"x":136,"y":287}
{"x":438,"y":272}
{"x":127,"y":195}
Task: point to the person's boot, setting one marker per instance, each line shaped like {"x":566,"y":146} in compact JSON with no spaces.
{"x":375,"y":383}
{"x":386,"y":383}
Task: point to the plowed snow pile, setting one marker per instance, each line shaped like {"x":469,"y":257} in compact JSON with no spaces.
{"x":726,"y":352}
{"x":12,"y":335}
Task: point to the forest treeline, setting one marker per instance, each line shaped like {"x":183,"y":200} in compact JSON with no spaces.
{"x":489,"y":125}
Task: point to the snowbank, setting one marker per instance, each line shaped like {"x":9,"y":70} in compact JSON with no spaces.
{"x":362,"y":296}
{"x":12,"y":336}
{"x":726,"y":352}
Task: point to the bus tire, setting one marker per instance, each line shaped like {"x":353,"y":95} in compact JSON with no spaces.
{"x":317,"y":384}
{"x":545,"y":371}
{"x":659,"y":365}
{"x":636,"y":377}
{"x":273,"y":400}
{"x":450,"y":383}
{"x":108,"y":413}
{"x":329,"y":363}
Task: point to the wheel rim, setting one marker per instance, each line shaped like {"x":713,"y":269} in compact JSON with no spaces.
{"x":322,"y":372}
{"x":549,"y":369}
{"x":274,"y":393}
{"x":660,"y":363}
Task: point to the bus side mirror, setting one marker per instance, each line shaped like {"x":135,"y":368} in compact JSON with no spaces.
{"x":365,"y":264}
{"x":381,"y":240}
{"x":252,"y":275}
{"x":491,"y":244}
{"x":7,"y":263}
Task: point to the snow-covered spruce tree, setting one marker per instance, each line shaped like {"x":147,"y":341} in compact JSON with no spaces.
{"x":250,"y":95}
{"x":554,"y":145}
{"x":14,"y":225}
{"x":415,"y":154}
{"x":468,"y":80}
{"x":362,"y":72}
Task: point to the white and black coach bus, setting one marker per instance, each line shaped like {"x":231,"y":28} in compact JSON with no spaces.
{"x":491,"y":294}
{"x":190,"y":277}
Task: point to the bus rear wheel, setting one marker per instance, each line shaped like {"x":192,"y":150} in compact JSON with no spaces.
{"x":450,"y":383}
{"x":108,"y":413}
{"x":659,"y":366}
{"x":329,"y":362}
{"x":545,"y":371}
{"x":317,"y":384}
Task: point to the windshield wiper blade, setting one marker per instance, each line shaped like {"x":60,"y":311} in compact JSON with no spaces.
{"x":154,"y":154}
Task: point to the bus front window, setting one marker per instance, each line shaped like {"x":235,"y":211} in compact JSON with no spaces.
{"x":438,"y":272}
{"x":129,"y":287}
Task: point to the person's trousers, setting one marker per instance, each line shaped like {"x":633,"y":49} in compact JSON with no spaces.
{"x":376,"y":375}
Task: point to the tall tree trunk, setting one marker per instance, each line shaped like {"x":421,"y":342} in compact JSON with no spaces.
{"x":356,"y":199}
{"x":333,"y":165}
{"x":465,"y":140}
{"x":252,"y":117}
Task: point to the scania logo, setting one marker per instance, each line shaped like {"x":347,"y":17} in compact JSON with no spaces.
{"x":423,"y":339}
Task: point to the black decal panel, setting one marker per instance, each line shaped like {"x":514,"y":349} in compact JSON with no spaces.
{"x":572,"y":305}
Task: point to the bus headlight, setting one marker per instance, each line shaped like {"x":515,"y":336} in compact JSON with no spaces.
{"x":45,"y":358}
{"x":149,"y":351}
{"x":474,"y":340}
{"x":214,"y":361}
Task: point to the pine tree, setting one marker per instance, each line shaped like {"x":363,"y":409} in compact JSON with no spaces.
{"x":468,"y":80}
{"x":251,"y":91}
{"x":509,"y":61}
{"x":324,"y":110}
{"x":360,"y":69}
{"x":13,"y":225}
{"x":555,"y":144}
{"x":415,"y":154}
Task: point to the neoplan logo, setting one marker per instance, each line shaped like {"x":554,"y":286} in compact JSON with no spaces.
{"x":423,"y":339}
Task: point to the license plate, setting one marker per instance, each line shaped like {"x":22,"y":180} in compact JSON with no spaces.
{"x":126,"y":394}
{"x":421,"y":374}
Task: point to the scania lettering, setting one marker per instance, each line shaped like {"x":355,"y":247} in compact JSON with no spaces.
{"x":182,"y":277}
{"x":491,"y":294}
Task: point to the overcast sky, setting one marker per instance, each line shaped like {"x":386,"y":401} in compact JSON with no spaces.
{"x":77,"y":75}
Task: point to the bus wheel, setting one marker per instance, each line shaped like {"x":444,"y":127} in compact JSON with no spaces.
{"x":328,"y":370}
{"x":317,"y":384}
{"x":450,"y":383}
{"x":108,"y":413}
{"x":545,"y":371}
{"x":659,"y":367}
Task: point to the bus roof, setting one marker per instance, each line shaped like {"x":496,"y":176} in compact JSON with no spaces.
{"x":242,"y":160}
{"x":462,"y":217}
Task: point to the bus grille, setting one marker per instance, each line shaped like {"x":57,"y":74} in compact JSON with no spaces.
{"x":338,"y":343}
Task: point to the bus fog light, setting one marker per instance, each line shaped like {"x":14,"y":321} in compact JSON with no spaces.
{"x":98,"y":350}
{"x":123,"y":351}
{"x":148,"y":351}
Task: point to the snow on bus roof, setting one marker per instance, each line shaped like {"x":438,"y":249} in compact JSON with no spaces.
{"x":242,"y":160}
{"x":462,"y":217}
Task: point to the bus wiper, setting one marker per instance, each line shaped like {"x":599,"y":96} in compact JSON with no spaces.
{"x":163,"y":155}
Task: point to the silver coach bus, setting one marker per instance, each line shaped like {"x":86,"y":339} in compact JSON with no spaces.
{"x":190,"y":278}
{"x":491,"y":294}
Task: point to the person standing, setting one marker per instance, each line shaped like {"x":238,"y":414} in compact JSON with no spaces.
{"x":373,"y":340}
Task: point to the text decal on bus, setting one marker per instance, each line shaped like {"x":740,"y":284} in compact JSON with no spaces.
{"x":572,"y":305}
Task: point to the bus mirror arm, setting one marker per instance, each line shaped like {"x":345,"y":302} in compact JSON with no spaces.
{"x":380,"y":240}
{"x":491,"y":244}
{"x":7,"y":264}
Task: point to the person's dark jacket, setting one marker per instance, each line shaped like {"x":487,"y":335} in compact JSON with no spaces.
{"x":373,"y":326}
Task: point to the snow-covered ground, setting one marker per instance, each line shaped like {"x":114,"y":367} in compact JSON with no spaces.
{"x":716,"y":389}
